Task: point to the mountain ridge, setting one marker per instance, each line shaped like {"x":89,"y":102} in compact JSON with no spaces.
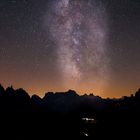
{"x":67,"y":114}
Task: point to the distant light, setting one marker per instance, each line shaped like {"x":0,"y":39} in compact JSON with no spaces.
{"x":88,"y":119}
{"x":86,"y":134}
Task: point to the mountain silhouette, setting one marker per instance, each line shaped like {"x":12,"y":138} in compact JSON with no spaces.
{"x":67,"y":115}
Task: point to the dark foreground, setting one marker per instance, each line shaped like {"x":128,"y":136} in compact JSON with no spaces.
{"x":67,"y":115}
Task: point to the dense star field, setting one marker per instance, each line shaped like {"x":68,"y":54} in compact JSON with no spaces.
{"x":91,"y":46}
{"x":79,"y":30}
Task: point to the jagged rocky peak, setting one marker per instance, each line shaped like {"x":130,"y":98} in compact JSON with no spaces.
{"x":1,"y":89}
{"x":72,"y":92}
{"x":137,"y":94}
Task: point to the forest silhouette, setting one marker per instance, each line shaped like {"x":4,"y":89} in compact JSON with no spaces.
{"x":67,"y":115}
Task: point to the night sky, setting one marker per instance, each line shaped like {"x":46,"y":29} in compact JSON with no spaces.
{"x":91,"y":46}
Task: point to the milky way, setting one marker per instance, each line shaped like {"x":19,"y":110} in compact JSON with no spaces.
{"x":79,"y":29}
{"x":91,"y":46}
